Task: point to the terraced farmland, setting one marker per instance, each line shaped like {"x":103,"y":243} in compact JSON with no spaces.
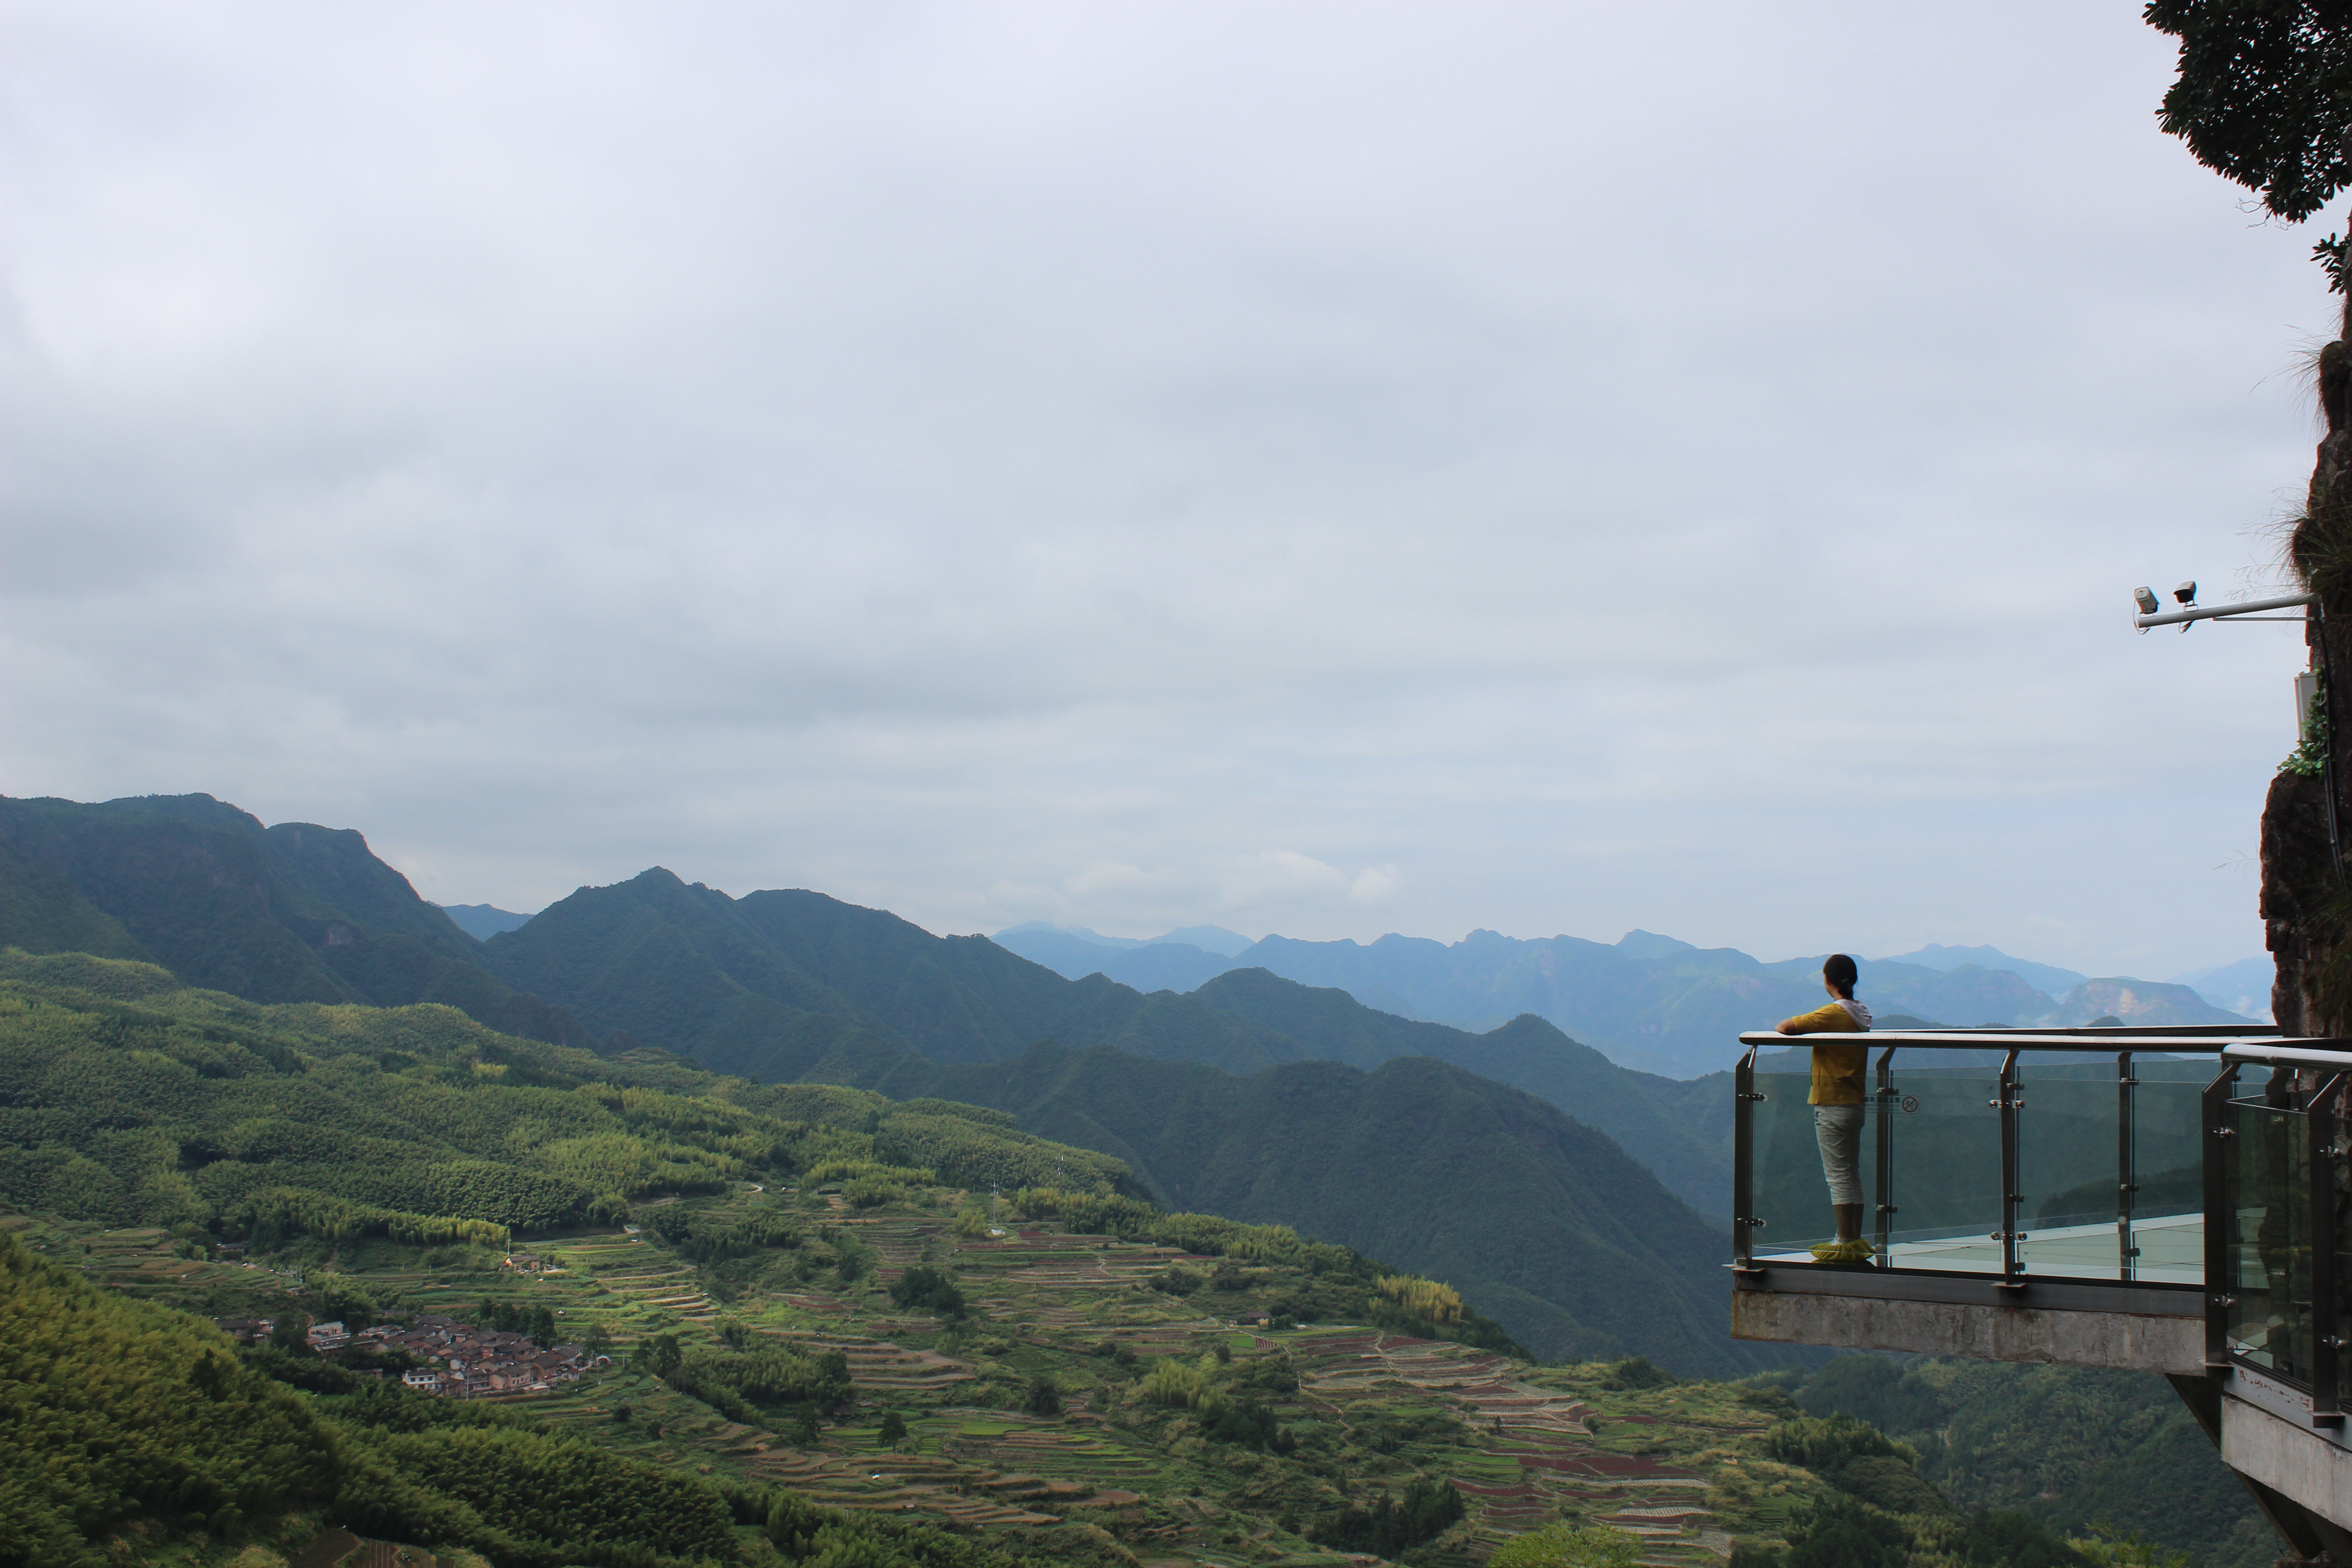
{"x":1355,"y":1412}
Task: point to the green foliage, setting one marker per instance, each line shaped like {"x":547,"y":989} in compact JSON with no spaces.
{"x":1841,"y":1533}
{"x":1636,"y":1372}
{"x":1391,"y":1524}
{"x":703,"y":1236}
{"x":514,"y":1318}
{"x":1176,"y":1383}
{"x":2001,"y":1538}
{"x":161,"y":1418}
{"x":271,"y":1216}
{"x":930,"y":1290}
{"x":2067,"y":1445}
{"x":1570,"y":1546}
{"x":768,"y":1374}
{"x":892,"y":1431}
{"x":1826,"y":1444}
{"x":2109,"y":1547}
{"x":965,"y":1147}
{"x":1043,"y":1398}
{"x":169,"y":1428}
{"x":291,"y":913}
{"x":2260,"y":96}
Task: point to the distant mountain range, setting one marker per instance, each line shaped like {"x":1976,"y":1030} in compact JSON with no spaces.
{"x":1648,"y":1001}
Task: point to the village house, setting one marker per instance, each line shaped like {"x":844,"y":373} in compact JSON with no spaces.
{"x":468,"y":1362}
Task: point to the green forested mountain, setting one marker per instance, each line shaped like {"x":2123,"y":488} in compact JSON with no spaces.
{"x":793,"y":986}
{"x":291,"y":913}
{"x":1542,"y":1223}
{"x":1651,"y":1117}
{"x":379,"y":1148}
{"x":781,"y":986}
{"x":1521,"y":1204}
{"x":2074,"y":1445}
{"x":125,"y":1099}
{"x":773,"y":983}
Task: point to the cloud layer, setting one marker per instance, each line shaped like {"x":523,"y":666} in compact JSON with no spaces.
{"x":1328,"y":468}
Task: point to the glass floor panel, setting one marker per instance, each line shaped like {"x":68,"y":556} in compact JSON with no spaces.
{"x":2172,"y":1251}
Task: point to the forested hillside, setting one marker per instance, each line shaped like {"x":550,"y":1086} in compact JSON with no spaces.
{"x":291,"y":913}
{"x":1541,"y":1222}
{"x":2073,"y":1445}
{"x":776,"y":986}
{"x":123,"y":1099}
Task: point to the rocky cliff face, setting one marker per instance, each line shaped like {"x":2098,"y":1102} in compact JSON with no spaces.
{"x":2305,"y":905}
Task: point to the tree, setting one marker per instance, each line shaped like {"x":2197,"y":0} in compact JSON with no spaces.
{"x":2264,"y":94}
{"x":923,"y":1286}
{"x":893,"y":1430}
{"x":290,"y":1334}
{"x":2265,"y":98}
{"x":1568,"y":1546}
{"x":1044,"y":1397}
{"x":2110,"y":1547}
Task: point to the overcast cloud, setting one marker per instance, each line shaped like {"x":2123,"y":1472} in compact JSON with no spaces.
{"x":1326,"y":468}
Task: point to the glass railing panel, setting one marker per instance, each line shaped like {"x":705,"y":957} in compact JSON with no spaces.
{"x":2167,"y":1219}
{"x":1930,"y":1163}
{"x":1791,"y":1196}
{"x":1945,"y":1166}
{"x":2266,"y":1242}
{"x":2069,"y":1142}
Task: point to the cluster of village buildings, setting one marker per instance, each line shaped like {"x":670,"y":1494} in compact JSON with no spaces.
{"x":452,"y":1357}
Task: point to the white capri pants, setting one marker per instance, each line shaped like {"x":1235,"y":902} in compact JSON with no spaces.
{"x":1839,"y":1129}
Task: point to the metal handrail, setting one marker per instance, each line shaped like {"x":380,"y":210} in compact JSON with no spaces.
{"x":2200,"y":1039}
{"x":2294,"y":1053}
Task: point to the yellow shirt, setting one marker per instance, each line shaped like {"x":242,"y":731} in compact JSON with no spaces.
{"x":1837,"y":1070}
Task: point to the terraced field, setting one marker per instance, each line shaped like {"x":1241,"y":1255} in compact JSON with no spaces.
{"x":1361,"y":1411}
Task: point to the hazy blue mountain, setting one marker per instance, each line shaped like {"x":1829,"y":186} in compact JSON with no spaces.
{"x":1208,"y":939}
{"x":1176,"y":962}
{"x":2139,"y":1002}
{"x":1667,"y":1006}
{"x":2041,"y":976}
{"x":793,"y":985}
{"x":2242,"y":988}
{"x":1075,"y":934}
{"x":483,"y":921}
{"x":1147,"y":966}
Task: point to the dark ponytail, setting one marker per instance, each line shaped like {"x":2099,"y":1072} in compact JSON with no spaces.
{"x":1840,"y":972}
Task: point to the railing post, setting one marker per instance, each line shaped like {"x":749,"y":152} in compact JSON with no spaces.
{"x":1886,"y":1183}
{"x":2320,"y":1127}
{"x":2012,"y":1193}
{"x":2127,"y":1166}
{"x":2220,"y":1221}
{"x":1744,"y":1220}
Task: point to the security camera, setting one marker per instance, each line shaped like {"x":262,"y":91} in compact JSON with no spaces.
{"x":2145,"y":599}
{"x":2187,"y":592}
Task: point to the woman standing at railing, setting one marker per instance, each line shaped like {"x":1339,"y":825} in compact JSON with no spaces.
{"x":1837,"y":1100}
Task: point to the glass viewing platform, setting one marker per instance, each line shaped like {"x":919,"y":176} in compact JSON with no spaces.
{"x":2074,"y":1155}
{"x":2176,"y":1201}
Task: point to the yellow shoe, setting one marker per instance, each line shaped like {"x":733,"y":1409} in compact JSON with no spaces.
{"x":1854,"y":1251}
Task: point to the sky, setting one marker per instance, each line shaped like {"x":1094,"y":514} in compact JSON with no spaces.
{"x":1326,"y":468}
